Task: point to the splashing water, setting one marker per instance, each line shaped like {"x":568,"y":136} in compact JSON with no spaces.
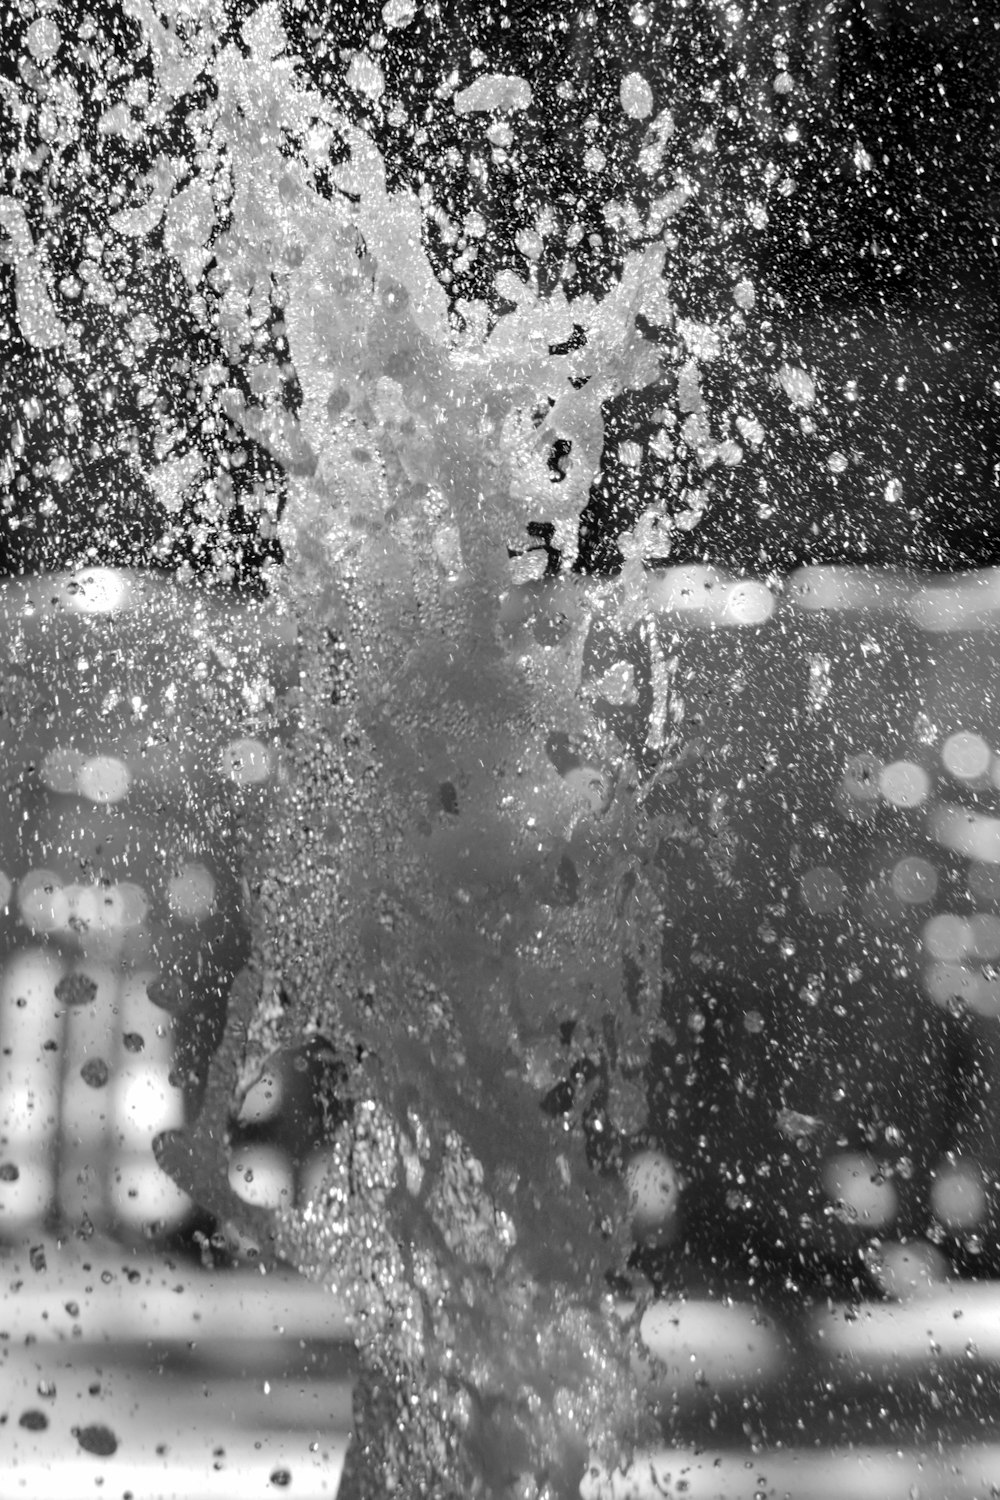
{"x":457,"y":885}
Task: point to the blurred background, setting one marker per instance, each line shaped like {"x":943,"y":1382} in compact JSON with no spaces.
{"x":815,"y":1199}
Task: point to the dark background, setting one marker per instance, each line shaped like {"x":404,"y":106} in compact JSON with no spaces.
{"x":883,"y":274}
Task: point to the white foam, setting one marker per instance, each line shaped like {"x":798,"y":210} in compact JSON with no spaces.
{"x":365,"y":76}
{"x":636,"y":96}
{"x":797,"y":384}
{"x":43,"y":39}
{"x":493,"y":92}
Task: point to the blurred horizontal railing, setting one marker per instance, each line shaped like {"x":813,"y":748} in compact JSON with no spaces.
{"x":126,"y":1371}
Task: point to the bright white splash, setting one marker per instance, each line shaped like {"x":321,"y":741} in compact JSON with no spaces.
{"x":492,"y":93}
{"x":636,"y":96}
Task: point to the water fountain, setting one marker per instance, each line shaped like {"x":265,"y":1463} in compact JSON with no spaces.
{"x":457,"y":889}
{"x":460,"y":883}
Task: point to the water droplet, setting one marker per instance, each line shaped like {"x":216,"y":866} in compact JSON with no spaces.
{"x":76,"y":989}
{"x":165,"y":991}
{"x":95,"y":1072}
{"x":96,"y":1438}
